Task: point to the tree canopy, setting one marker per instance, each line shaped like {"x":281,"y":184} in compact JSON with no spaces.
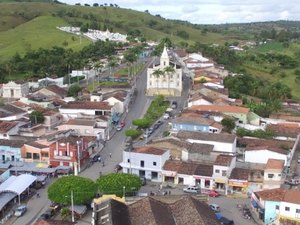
{"x":84,"y":190}
{"x":228,"y":124}
{"x":114,"y":183}
{"x":36,"y":117}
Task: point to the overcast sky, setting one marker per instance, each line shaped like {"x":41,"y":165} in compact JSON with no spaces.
{"x":212,"y":11}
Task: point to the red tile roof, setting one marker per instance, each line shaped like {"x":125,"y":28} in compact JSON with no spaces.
{"x":285,"y":129}
{"x":275,"y":164}
{"x":278,"y":194}
{"x":149,"y":150}
{"x":224,"y":160}
{"x":221,"y":108}
{"x":6,"y":126}
{"x":87,"y":105}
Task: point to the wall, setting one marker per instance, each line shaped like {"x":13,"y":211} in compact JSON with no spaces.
{"x":199,"y":102}
{"x":190,"y":127}
{"x":262,"y":156}
{"x":8,"y":152}
{"x":84,"y":130}
{"x":218,"y":146}
{"x":292,"y":212}
{"x":270,"y":211}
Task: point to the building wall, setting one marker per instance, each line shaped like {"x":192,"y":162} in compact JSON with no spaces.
{"x":84,"y":130}
{"x":74,"y":113}
{"x":240,"y":116}
{"x":292,"y":210}
{"x":13,"y":90}
{"x":9,"y":153}
{"x":40,"y":152}
{"x":149,"y":159}
{"x":190,"y":127}
{"x":263,"y":156}
{"x":119,"y":106}
{"x":270,"y":211}
{"x":199,"y":102}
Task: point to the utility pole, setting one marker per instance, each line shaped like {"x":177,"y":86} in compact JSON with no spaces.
{"x":72,"y":206}
{"x":78,"y":156}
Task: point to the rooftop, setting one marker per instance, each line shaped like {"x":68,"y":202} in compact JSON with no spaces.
{"x":87,"y":105}
{"x":149,"y":150}
{"x":6,"y":126}
{"x":12,"y":143}
{"x":201,"y":148}
{"x":224,"y":160}
{"x":57,"y":90}
{"x":226,"y":138}
{"x":278,"y":194}
{"x":275,"y":164}
{"x":172,"y":140}
{"x":239,"y":174}
{"x":193,"y":119}
{"x":81,"y":122}
{"x":221,"y":108}
{"x":285,"y":129}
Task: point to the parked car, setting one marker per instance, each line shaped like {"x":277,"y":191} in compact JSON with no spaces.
{"x":166,"y":116}
{"x":191,"y":189}
{"x":174,"y":105}
{"x":150,"y":130}
{"x":96,"y":158}
{"x":298,"y":160}
{"x":146,"y":134}
{"x":215,"y":207}
{"x":20,"y":210}
{"x":225,"y":221}
{"x":122,"y":123}
{"x":119,"y":128}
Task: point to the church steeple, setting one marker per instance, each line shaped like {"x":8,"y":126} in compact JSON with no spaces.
{"x":164,"y":59}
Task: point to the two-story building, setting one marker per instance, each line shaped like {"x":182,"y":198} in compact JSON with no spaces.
{"x":7,"y":129}
{"x":222,"y":168}
{"x":145,"y":162}
{"x":36,"y":152}
{"x":277,"y":206}
{"x":15,"y":89}
{"x":11,"y":150}
{"x":273,"y":174}
{"x":164,"y":82}
{"x":69,"y":151}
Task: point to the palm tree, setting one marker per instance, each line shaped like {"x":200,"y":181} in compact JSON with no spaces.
{"x":169,"y":70}
{"x":157,"y":73}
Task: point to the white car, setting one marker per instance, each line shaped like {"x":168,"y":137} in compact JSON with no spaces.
{"x":20,"y":210}
{"x":191,"y":189}
{"x":215,"y":207}
{"x":166,"y":116}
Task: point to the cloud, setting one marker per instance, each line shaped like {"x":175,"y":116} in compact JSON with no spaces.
{"x":212,"y":11}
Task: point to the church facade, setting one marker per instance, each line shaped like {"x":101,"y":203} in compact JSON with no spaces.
{"x":164,"y":78}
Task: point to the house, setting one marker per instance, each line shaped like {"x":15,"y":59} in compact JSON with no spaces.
{"x":72,"y":151}
{"x":145,"y":162}
{"x":223,"y":143}
{"x":15,"y":89}
{"x":10,"y":112}
{"x":36,"y":152}
{"x":164,"y":84}
{"x":153,"y":210}
{"x":52,"y":91}
{"x":79,"y":108}
{"x":119,"y":100}
{"x":59,"y":81}
{"x":211,"y":92}
{"x":285,"y":131}
{"x":196,"y":60}
{"x":195,"y":122}
{"x":199,"y":99}
{"x":222,"y":168}
{"x":238,"y":180}
{"x":188,"y":173}
{"x":10,"y":150}
{"x":52,"y":118}
{"x":273,"y":174}
{"x":261,"y":150}
{"x":279,"y":206}
{"x":7,"y":129}
{"x":87,"y":126}
{"x":241,"y":113}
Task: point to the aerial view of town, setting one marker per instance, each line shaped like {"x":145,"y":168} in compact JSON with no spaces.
{"x":149,"y":113}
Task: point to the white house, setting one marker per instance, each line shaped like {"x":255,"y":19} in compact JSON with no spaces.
{"x":273,"y":174}
{"x":222,"y":168}
{"x":169,"y":84}
{"x":14,"y":89}
{"x":224,"y":143}
{"x":78,"y":108}
{"x":145,"y":162}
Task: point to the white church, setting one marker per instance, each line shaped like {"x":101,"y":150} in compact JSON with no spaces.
{"x":164,"y":78}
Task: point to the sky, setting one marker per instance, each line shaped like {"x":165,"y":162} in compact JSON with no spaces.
{"x":211,"y":11}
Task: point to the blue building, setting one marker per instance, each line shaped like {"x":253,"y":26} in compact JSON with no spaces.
{"x":195,"y":122}
{"x":10,"y":150}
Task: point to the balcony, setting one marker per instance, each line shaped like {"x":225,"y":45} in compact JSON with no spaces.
{"x":62,"y":157}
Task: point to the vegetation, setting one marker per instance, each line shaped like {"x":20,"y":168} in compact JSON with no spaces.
{"x":84,"y":190}
{"x":228,"y":124}
{"x":241,"y":132}
{"x":133,"y":133}
{"x":119,"y":184}
{"x":157,"y":108}
{"x":36,"y":117}
{"x":73,"y":90}
{"x":142,"y":123}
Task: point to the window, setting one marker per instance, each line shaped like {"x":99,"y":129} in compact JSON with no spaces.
{"x":217,"y":171}
{"x":28,"y":155}
{"x":154,"y":163}
{"x":128,"y":160}
{"x":270,"y":175}
{"x":224,"y":173}
{"x":36,"y":156}
{"x":154,"y":175}
{"x":45,"y":154}
{"x":277,"y":207}
{"x":287,"y":208}
{"x":279,"y":175}
{"x":142,"y":163}
{"x":297,"y":210}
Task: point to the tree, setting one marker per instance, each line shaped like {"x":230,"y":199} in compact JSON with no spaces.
{"x":84,"y":190}
{"x":65,"y":214}
{"x":169,"y":70}
{"x":36,"y":117}
{"x":74,"y":90}
{"x":133,"y":133}
{"x":157,"y":73}
{"x":142,"y":123}
{"x":119,"y":184}
{"x":228,"y":124}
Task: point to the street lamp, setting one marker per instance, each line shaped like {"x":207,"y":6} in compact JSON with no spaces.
{"x":72,"y":206}
{"x":78,"y":156}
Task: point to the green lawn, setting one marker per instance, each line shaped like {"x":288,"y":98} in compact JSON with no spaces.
{"x":37,"y":33}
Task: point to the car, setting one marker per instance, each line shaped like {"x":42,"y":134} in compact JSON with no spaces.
{"x":146,"y":134}
{"x":47,"y":214}
{"x":155,"y":126}
{"x":122,"y":123}
{"x":191,"y":189}
{"x":213,"y":193}
{"x":225,"y":221}
{"x":166,"y":116}
{"x":298,"y":160}
{"x":96,"y":158}
{"x":150,"y":130}
{"x":215,"y":207}
{"x":174,"y":105}
{"x":20,"y":210}
{"x":119,"y":128}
